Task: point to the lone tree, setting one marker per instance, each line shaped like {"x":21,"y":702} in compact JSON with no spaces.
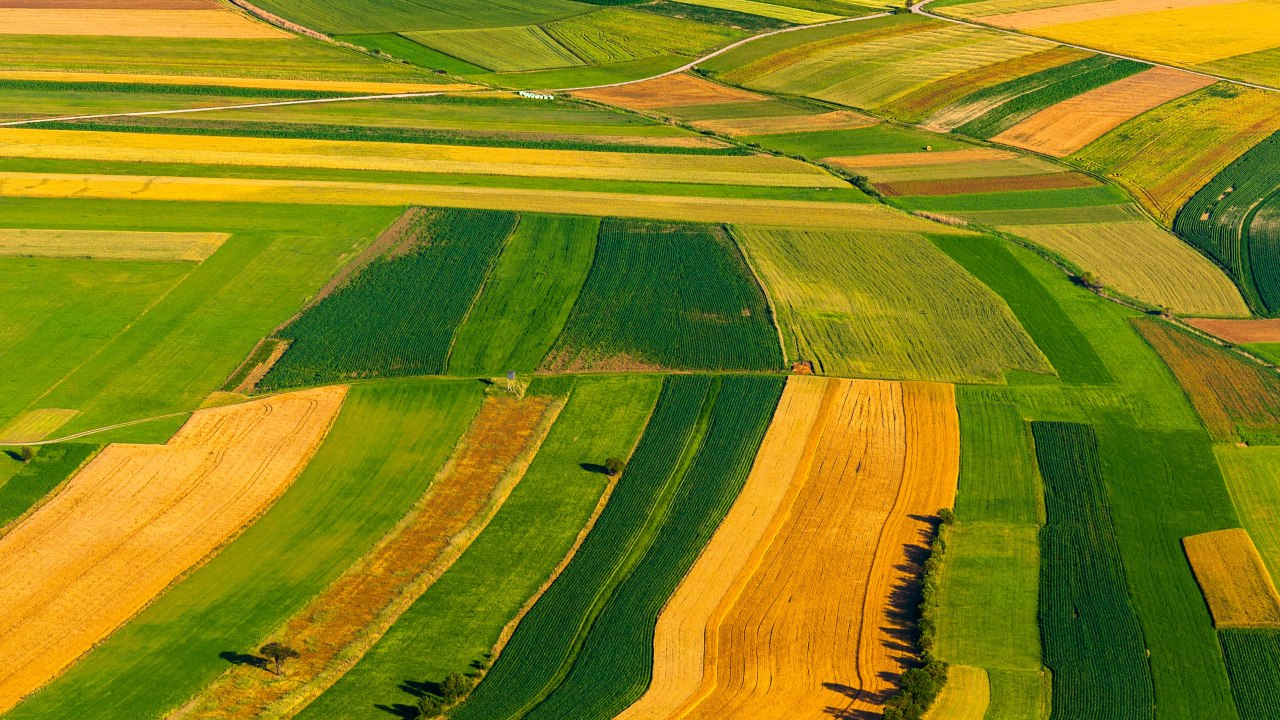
{"x":429,"y":707}
{"x":613,"y":466}
{"x":278,"y":653}
{"x":25,"y":454}
{"x":455,"y":687}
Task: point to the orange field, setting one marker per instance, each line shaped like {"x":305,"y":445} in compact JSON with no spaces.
{"x":1064,"y":128}
{"x":133,"y":22}
{"x":135,"y":519}
{"x":1234,"y":579}
{"x":344,"y":621}
{"x":807,"y":626}
{"x":668,"y":92}
{"x":1241,"y":331}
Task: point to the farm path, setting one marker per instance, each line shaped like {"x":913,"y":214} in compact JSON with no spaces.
{"x":920,"y":8}
{"x":392,"y":96}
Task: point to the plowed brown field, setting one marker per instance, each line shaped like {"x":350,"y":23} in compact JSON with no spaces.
{"x":135,"y":519}
{"x":344,"y":621}
{"x":1064,"y":128}
{"x":1234,"y":579}
{"x":1241,"y":331}
{"x":670,"y":91}
{"x":808,"y":627}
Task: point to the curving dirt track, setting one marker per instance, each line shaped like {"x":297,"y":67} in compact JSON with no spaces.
{"x":135,"y":519}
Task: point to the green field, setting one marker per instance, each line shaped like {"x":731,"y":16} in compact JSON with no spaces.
{"x":462,"y":614}
{"x":528,"y":296}
{"x":374,"y":325}
{"x":1253,"y":660}
{"x":1092,"y":641}
{"x":372,"y":16}
{"x":1251,"y":474}
{"x":667,"y":295}
{"x":845,"y":303}
{"x":29,"y":483}
{"x":383,"y":451}
{"x":616,"y":35}
{"x":524,"y":47}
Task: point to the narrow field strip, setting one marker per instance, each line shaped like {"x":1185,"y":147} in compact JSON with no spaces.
{"x":352,"y":86}
{"x":35,"y":425}
{"x":1240,"y":331}
{"x":914,"y":159}
{"x":111,"y":244}
{"x":670,"y":91}
{"x":136,"y":518}
{"x":680,"y":653}
{"x":791,"y":632}
{"x":344,"y":621}
{"x":966,"y":696}
{"x":760,"y":170}
{"x":1081,"y":12}
{"x":1234,"y":579}
{"x":834,"y":120}
{"x":787,"y":213}
{"x":141,"y":22}
{"x":1062,"y":129}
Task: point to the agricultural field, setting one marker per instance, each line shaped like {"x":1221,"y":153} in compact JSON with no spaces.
{"x":639,"y":359}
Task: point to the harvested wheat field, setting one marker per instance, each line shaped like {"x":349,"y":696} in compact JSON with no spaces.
{"x":1240,"y":331}
{"x":1082,"y":12}
{"x":834,"y":120}
{"x":1234,"y":579}
{"x":111,"y":244}
{"x":966,"y":696}
{"x":139,"y":22}
{"x":919,"y":159}
{"x":806,"y":626}
{"x":344,"y":621}
{"x":1068,"y":126}
{"x":669,"y":92}
{"x":114,"y":4}
{"x":786,"y":453}
{"x":136,"y":518}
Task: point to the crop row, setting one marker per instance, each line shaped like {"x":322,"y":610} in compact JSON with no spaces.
{"x":675,"y":295}
{"x":1092,"y":641}
{"x":1219,"y":220}
{"x":1253,"y":664}
{"x":1032,"y":93}
{"x":615,"y":664}
{"x":398,"y":315}
{"x":543,"y":646}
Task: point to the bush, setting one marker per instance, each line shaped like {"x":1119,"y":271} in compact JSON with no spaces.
{"x":613,"y":466}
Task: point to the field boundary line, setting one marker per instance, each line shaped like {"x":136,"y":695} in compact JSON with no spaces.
{"x":920,"y":9}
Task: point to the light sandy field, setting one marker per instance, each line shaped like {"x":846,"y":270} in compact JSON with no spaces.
{"x":966,"y":695}
{"x":1141,"y":259}
{"x":1081,"y":12}
{"x":835,"y":120}
{"x":111,"y":244}
{"x":670,"y":91}
{"x":1234,"y":579}
{"x":913,"y":159}
{"x":982,"y":8}
{"x":350,"y":86}
{"x":764,"y":9}
{"x":135,"y":519}
{"x":1241,"y":331}
{"x":760,"y":170}
{"x":34,"y":425}
{"x":697,"y":608}
{"x":344,"y":621}
{"x":1182,"y":36}
{"x":1064,"y":128}
{"x":784,"y":213}
{"x":134,"y":23}
{"x":802,"y":629}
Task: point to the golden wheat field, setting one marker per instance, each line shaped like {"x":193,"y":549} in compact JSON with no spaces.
{"x":217,"y":23}
{"x":111,"y":244}
{"x":1234,"y":579}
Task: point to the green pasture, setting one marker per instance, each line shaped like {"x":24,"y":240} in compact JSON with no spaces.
{"x":872,"y":140}
{"x":1253,"y":478}
{"x":460,"y":617}
{"x":385,"y":448}
{"x":374,"y":16}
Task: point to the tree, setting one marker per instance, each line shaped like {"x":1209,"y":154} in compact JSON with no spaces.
{"x":947,"y":516}
{"x":455,"y":687}
{"x":429,"y":707}
{"x":613,"y":466}
{"x":25,"y":454}
{"x":278,"y":653}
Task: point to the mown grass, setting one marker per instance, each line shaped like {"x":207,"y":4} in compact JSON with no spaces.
{"x":460,"y":617}
{"x":406,"y":50}
{"x":527,"y":298}
{"x":384,"y":449}
{"x":882,"y":304}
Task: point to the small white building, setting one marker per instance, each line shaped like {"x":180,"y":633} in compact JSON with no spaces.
{"x":536,"y":96}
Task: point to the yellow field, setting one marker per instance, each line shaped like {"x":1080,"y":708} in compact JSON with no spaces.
{"x":764,"y":9}
{"x":1234,"y":579}
{"x":670,"y":91}
{"x":801,"y":628}
{"x":784,"y":213}
{"x":762,"y":170}
{"x":1185,"y":36}
{"x":1076,"y":12}
{"x":1064,"y":128}
{"x":34,"y":425}
{"x":1143,"y":260}
{"x":351,"y":86}
{"x":135,"y":519}
{"x":134,"y":23}
{"x":966,"y":695}
{"x":111,"y":244}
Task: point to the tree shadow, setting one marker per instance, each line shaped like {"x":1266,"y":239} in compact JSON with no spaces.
{"x":594,"y":468}
{"x":15,"y":455}
{"x":236,"y":658}
{"x":400,"y":710}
